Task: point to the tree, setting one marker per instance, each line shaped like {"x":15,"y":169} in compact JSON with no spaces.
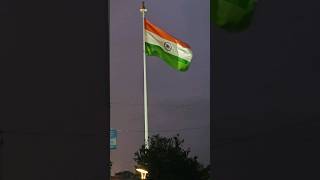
{"x":167,"y":160}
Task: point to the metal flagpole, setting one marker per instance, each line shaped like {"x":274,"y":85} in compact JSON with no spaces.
{"x":143,"y":10}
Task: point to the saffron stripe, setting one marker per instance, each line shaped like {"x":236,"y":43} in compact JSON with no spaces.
{"x":152,"y":28}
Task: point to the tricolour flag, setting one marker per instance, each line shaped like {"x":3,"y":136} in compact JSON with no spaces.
{"x":159,"y":43}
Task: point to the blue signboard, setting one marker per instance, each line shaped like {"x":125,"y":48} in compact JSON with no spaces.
{"x":113,"y":139}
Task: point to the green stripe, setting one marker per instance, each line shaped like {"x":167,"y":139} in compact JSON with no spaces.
{"x":173,"y":61}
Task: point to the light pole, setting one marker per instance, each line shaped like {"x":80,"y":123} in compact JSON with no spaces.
{"x":142,"y":172}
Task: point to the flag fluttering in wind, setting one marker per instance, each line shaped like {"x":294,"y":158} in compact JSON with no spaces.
{"x":174,"y":52}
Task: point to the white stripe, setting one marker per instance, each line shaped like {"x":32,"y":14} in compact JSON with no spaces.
{"x":176,"y":49}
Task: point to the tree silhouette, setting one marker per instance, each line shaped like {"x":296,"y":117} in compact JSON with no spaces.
{"x":167,"y":160}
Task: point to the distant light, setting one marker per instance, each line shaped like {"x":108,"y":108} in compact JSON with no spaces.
{"x":143,"y":173}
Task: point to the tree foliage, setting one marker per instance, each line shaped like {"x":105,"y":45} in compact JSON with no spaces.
{"x":167,"y":160}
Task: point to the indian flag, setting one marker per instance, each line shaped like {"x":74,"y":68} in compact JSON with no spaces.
{"x":174,"y":52}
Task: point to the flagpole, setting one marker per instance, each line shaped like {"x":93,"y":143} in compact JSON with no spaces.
{"x":143,"y":10}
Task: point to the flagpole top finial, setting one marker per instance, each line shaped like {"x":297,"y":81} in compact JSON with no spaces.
{"x":143,"y":7}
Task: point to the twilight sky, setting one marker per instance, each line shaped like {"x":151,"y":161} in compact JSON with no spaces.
{"x":178,"y":101}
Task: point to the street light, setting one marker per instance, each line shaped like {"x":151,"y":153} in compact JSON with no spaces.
{"x":142,"y":172}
